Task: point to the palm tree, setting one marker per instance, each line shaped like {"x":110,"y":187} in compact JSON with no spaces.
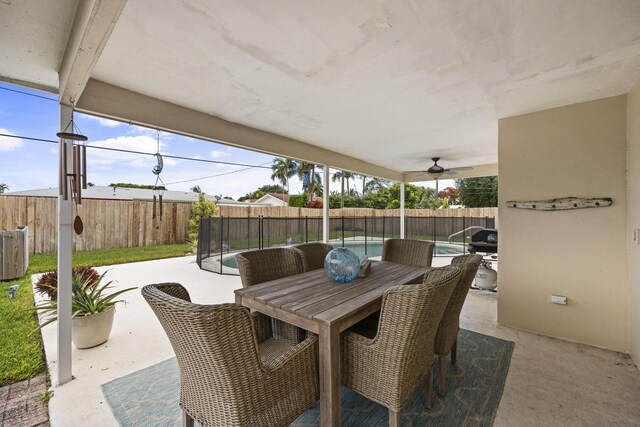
{"x":315,"y":185}
{"x":283,"y":169}
{"x":3,"y":187}
{"x":342,"y":176}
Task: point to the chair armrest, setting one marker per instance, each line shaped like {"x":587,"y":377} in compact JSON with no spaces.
{"x":305,"y":349}
{"x":262,"y":326}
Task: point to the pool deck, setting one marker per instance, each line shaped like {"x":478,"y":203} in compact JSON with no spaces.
{"x":550,"y":381}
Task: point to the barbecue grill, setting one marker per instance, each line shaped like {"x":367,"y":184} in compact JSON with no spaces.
{"x":485,"y":240}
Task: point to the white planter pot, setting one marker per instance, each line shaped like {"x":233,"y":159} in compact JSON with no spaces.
{"x":486,"y":278}
{"x":93,"y":330}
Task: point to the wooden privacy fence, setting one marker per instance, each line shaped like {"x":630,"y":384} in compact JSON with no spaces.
{"x":126,"y":223}
{"x":107,"y":223}
{"x":287,"y":212}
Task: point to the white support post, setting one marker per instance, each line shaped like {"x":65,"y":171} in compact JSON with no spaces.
{"x":402,"y":210}
{"x":65,"y":240}
{"x":325,"y":204}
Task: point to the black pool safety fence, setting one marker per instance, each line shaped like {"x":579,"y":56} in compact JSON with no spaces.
{"x":221,"y":238}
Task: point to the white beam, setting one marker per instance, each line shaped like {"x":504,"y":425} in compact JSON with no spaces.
{"x":113,"y":102}
{"x":325,"y":204}
{"x":65,"y":241}
{"x":92,"y":26}
{"x":402,"y":210}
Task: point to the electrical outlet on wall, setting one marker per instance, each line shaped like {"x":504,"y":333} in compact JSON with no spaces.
{"x":558,"y":299}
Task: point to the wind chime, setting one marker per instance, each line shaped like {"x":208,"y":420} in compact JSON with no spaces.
{"x":157,"y":169}
{"x":72,"y":180}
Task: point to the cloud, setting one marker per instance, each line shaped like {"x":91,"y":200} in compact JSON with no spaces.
{"x":104,"y":122}
{"x":8,"y":143}
{"x":217,"y":154}
{"x":141,"y":143}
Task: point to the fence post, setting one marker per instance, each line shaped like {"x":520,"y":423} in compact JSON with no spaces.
{"x":342,"y":217}
{"x":365,"y":235}
{"x":221,"y":240}
{"x":383,"y":226}
{"x":306,"y":229}
{"x":464,"y":235}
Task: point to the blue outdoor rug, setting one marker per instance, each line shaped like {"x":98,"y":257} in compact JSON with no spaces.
{"x":149,"y":397}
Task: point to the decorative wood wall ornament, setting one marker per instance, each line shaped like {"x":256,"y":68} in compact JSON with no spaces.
{"x":562,"y":204}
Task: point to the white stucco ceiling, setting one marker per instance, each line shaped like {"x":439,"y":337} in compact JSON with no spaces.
{"x":392,"y":83}
{"x":33,"y":37}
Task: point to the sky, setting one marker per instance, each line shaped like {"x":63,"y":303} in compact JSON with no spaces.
{"x":29,"y":165}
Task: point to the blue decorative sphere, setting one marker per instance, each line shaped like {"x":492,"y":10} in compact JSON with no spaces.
{"x":342,"y":265}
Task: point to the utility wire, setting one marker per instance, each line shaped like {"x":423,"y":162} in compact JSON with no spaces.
{"x":142,"y":153}
{"x":28,"y":94}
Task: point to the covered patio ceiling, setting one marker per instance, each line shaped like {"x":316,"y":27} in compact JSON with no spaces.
{"x":371,"y":87}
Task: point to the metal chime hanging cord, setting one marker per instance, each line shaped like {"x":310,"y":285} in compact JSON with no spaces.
{"x":157,"y":169}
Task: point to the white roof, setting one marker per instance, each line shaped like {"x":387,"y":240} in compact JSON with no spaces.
{"x":376,"y":87}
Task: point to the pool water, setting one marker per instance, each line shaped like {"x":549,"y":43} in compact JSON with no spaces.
{"x":374,"y":249}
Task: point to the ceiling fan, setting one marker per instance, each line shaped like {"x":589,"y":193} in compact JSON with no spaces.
{"x":437,"y":171}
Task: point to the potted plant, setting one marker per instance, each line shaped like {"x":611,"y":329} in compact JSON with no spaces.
{"x":91,"y":310}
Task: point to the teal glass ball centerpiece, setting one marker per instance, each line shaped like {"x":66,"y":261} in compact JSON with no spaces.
{"x":342,"y":265}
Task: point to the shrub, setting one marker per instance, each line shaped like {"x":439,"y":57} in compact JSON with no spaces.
{"x":298,"y":200}
{"x":48,"y":282}
{"x":315,"y":204}
{"x":203,"y":208}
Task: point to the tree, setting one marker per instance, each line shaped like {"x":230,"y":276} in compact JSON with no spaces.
{"x":342,"y":176}
{"x":129,"y":185}
{"x":196,"y":189}
{"x":283,"y":169}
{"x":3,"y":187}
{"x":315,"y":187}
{"x":451,"y":194}
{"x":203,"y":208}
{"x":478,"y":192}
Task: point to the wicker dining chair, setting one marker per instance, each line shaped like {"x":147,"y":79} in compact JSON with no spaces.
{"x":312,"y":254}
{"x":232,"y":373}
{"x":263,"y":265}
{"x":447,"y":337}
{"x":388,"y":365}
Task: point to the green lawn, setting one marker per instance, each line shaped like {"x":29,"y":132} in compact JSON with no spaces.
{"x":20,"y":346}
{"x":21,"y":355}
{"x":42,"y":263}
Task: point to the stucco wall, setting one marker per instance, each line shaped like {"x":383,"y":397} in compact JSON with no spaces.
{"x":576,"y":150}
{"x":633,"y":182}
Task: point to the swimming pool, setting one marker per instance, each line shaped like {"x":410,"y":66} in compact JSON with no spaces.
{"x":373,"y":250}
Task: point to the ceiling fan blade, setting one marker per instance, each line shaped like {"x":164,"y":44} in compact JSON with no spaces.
{"x":462,"y":168}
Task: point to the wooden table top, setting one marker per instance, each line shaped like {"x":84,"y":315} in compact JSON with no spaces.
{"x":315,"y":297}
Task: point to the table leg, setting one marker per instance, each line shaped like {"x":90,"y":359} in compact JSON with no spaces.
{"x":329,"y":344}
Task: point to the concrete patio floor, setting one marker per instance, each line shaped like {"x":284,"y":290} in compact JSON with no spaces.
{"x":550,"y":381}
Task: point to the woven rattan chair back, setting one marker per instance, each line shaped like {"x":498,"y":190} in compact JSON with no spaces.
{"x":408,"y":252}
{"x":223,"y":380}
{"x":313,"y":254}
{"x":447,"y":335}
{"x":450,"y":323}
{"x":389,"y":367}
{"x":268,"y":264}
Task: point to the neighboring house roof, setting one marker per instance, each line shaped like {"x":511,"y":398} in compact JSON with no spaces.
{"x":117,"y":193}
{"x":283,"y":197}
{"x":273,"y":199}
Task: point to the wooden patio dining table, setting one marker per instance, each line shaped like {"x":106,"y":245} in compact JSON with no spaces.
{"x":312,"y":301}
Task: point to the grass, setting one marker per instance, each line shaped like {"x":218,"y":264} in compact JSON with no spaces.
{"x":21,"y":353}
{"x":20,"y":346}
{"x":42,"y":263}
